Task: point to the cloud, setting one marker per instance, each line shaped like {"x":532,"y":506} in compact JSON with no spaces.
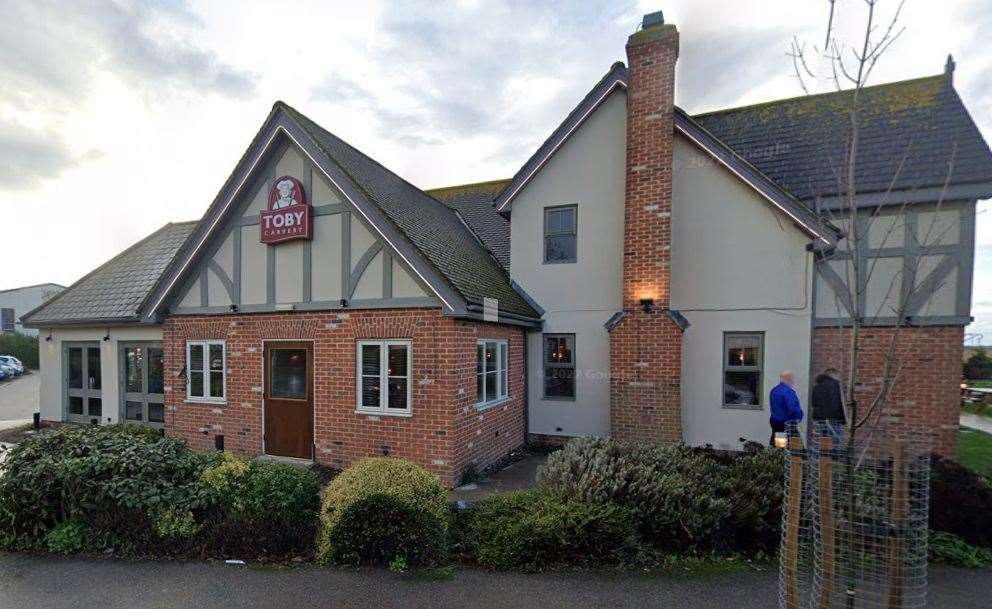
{"x":51,"y":52}
{"x":28,"y":156}
{"x":443,"y":72}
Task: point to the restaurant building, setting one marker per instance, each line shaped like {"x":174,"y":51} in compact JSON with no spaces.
{"x":645,"y":274}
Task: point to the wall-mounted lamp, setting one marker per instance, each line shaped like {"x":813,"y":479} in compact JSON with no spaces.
{"x":48,"y":338}
{"x":234,"y":308}
{"x":344,"y":303}
{"x":107,"y":336}
{"x":648,"y":305}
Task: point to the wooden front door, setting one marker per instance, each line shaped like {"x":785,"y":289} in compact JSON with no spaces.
{"x":289,"y":399}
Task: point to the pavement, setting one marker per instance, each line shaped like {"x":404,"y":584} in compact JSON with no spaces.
{"x":516,"y":476}
{"x":976,"y":422}
{"x":45,"y":582}
{"x":19,"y":399}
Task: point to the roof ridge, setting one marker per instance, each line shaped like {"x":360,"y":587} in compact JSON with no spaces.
{"x":357,"y":151}
{"x":33,"y":285}
{"x":797,"y":98}
{"x":468,"y":185}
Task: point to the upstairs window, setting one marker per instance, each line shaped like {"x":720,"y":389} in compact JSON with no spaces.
{"x":7,"y":320}
{"x":490,"y":371}
{"x":559,"y":366}
{"x":742,"y":363}
{"x":205,"y":371}
{"x":559,"y":234}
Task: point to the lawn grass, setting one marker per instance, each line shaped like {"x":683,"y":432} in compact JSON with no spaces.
{"x":975,"y":450}
{"x":981,"y":410}
{"x":980,"y":384}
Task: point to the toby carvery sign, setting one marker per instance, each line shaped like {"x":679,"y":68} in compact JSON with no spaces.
{"x":289,"y":215}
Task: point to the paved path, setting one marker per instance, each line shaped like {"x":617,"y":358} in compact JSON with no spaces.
{"x":976,"y":422}
{"x":19,"y":399}
{"x":41,"y":582}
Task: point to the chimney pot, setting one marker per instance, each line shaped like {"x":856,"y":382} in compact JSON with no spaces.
{"x":653,"y":19}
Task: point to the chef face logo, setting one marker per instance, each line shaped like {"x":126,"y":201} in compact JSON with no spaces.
{"x":289,"y":216}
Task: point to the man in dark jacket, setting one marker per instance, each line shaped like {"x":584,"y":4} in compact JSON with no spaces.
{"x":827,"y":404}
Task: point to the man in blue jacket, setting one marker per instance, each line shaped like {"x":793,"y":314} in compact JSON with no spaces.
{"x":784,"y":404}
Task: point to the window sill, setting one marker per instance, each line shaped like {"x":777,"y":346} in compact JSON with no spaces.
{"x":751,"y":407}
{"x":488,"y":405}
{"x":207,"y":401}
{"x":382,"y":413}
{"x":557,"y":399}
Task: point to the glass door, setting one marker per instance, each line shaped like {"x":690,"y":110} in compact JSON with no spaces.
{"x":84,"y":395}
{"x":144,"y":379}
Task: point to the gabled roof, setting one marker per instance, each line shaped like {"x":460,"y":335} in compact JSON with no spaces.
{"x":432,"y":227}
{"x":475,"y":204}
{"x":116,"y":291}
{"x":425,"y":233}
{"x":916,"y":131}
{"x":615,"y":78}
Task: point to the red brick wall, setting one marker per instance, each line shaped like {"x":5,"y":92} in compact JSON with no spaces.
{"x":446,"y":432}
{"x":926,"y":395}
{"x":646,"y":348}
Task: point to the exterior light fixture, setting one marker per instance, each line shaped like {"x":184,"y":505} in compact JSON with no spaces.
{"x":48,"y":338}
{"x":107,"y":336}
{"x":648,"y":305}
{"x":781,"y":439}
{"x":344,"y":303}
{"x":234,"y":308}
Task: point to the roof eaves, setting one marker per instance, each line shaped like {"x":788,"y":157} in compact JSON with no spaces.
{"x":811,"y":223}
{"x":616,"y":77}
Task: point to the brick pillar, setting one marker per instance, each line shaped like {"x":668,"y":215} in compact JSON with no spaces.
{"x":646,"y":347}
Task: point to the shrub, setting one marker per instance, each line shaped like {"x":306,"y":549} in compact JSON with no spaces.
{"x":105,"y":477}
{"x":67,"y":538}
{"x":176,"y":524}
{"x":408,"y":491}
{"x":753,"y":482}
{"x":535,"y":529}
{"x":262,"y":490}
{"x":671,"y":490}
{"x":960,"y":502}
{"x":382,"y":529}
{"x":950,"y":549}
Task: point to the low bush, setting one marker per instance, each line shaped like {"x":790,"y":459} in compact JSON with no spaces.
{"x":68,"y":537}
{"x":950,"y":549}
{"x":105,"y":477}
{"x":537,"y":529}
{"x":671,"y":490}
{"x":960,"y":502}
{"x":350,"y":533}
{"x":753,"y":481}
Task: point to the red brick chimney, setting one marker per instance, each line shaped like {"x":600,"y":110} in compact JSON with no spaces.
{"x":646,"y":346}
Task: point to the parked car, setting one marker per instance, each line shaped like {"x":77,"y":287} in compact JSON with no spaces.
{"x":4,"y":374}
{"x":12,"y":362}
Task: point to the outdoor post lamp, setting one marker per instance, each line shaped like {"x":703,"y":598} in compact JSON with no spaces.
{"x":781,"y":439}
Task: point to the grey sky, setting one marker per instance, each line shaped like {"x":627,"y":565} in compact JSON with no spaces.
{"x":117,"y":116}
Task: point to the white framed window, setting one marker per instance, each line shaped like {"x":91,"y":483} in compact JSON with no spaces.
{"x":491,"y":371}
{"x":206,"y":371}
{"x":743,"y":355}
{"x":383,"y":371}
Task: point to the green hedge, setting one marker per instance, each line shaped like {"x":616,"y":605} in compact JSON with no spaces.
{"x":21,"y":346}
{"x":682,"y":498}
{"x":536,"y":529}
{"x":89,"y":488}
{"x":412,"y":528}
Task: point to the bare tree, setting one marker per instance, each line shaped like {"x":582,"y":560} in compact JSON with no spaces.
{"x":849,"y":67}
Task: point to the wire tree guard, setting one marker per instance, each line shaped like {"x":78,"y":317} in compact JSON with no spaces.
{"x":854,"y":520}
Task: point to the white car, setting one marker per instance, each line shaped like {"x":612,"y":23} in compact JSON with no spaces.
{"x":13,"y":363}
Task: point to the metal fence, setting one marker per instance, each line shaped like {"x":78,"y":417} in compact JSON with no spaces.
{"x":854,"y":531}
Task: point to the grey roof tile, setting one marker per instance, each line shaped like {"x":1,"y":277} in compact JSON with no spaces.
{"x":432,"y":227}
{"x":916,"y":131}
{"x":475,"y":204}
{"x":116,"y":290}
